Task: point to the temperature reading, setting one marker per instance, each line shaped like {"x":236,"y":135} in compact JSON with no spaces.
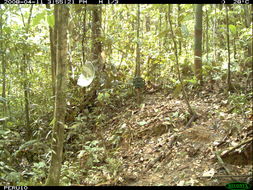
{"x":241,"y":1}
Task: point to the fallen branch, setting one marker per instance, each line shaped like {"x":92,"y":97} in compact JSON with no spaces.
{"x":193,"y":118}
{"x":222,"y":163}
{"x":153,"y":162}
{"x":237,"y":146}
{"x":224,"y":176}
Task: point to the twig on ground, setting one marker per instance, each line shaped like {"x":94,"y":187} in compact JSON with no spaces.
{"x":239,"y":145}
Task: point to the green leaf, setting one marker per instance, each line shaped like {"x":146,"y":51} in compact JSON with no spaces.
{"x":52,"y":122}
{"x":76,"y":125}
{"x":141,"y":123}
{"x":7,"y":29}
{"x":193,"y":81}
{"x":4,"y":132}
{"x":81,"y":154}
{"x":94,"y":143}
{"x":38,"y":18}
{"x":232,"y":28}
{"x":50,"y":20}
{"x":2,"y":99}
{"x":175,"y":114}
{"x":40,"y":165}
{"x":103,"y":96}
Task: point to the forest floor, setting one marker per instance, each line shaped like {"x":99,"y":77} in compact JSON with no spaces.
{"x":157,"y":149}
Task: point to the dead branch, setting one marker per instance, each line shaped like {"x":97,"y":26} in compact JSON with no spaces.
{"x":193,"y":118}
{"x":239,"y":145}
{"x":224,"y":176}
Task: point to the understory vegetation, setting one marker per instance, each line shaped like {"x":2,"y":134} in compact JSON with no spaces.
{"x":152,"y":94}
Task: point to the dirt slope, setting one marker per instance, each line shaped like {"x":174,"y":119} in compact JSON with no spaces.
{"x":157,"y":149}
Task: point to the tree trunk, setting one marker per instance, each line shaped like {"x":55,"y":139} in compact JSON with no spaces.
{"x":148,"y":23}
{"x":214,"y":33}
{"x":26,"y":97}
{"x":53,"y":37}
{"x":96,"y":34}
{"x":96,"y":47}
{"x":84,"y":36}
{"x":191,"y":111}
{"x":198,"y":43}
{"x":24,"y":69}
{"x":60,"y":99}
{"x":159,"y":31}
{"x":248,"y":20}
{"x":207,"y":34}
{"x":179,"y":27}
{"x":228,"y":46}
{"x":2,"y":53}
{"x":138,"y":64}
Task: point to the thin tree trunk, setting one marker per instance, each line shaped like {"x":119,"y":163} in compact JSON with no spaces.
{"x":84,"y":35}
{"x":96,"y":47}
{"x":248,"y":20}
{"x":228,"y":46}
{"x":96,"y":34}
{"x":147,"y":23}
{"x":2,"y":53}
{"x":214,"y":34}
{"x":179,"y":27}
{"x":60,"y":99}
{"x":53,"y":54}
{"x":234,"y":47}
{"x":207,"y":34}
{"x":56,"y":15}
{"x":24,"y":69}
{"x":159,"y":30}
{"x":191,"y":111}
{"x":138,"y":67}
{"x":165,"y":45}
{"x":26,"y":96}
{"x":198,"y":43}
{"x":8,"y":103}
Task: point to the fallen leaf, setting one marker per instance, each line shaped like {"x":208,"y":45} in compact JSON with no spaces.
{"x":209,"y":173}
{"x":181,"y":183}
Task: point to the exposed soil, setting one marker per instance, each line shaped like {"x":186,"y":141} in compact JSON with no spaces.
{"x":157,"y":149}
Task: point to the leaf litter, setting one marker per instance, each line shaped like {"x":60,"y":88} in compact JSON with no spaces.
{"x":157,"y":149}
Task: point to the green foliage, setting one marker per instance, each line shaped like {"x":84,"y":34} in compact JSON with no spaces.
{"x":50,"y":20}
{"x":2,"y":99}
{"x":238,"y":102}
{"x":37,"y":19}
{"x":103,"y":97}
{"x":192,"y":81}
{"x":114,"y":166}
{"x":86,"y":160}
{"x":94,"y":153}
{"x":141,"y":123}
{"x":9,"y":174}
{"x":71,"y":173}
{"x":35,"y":176}
{"x":232,"y":28}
